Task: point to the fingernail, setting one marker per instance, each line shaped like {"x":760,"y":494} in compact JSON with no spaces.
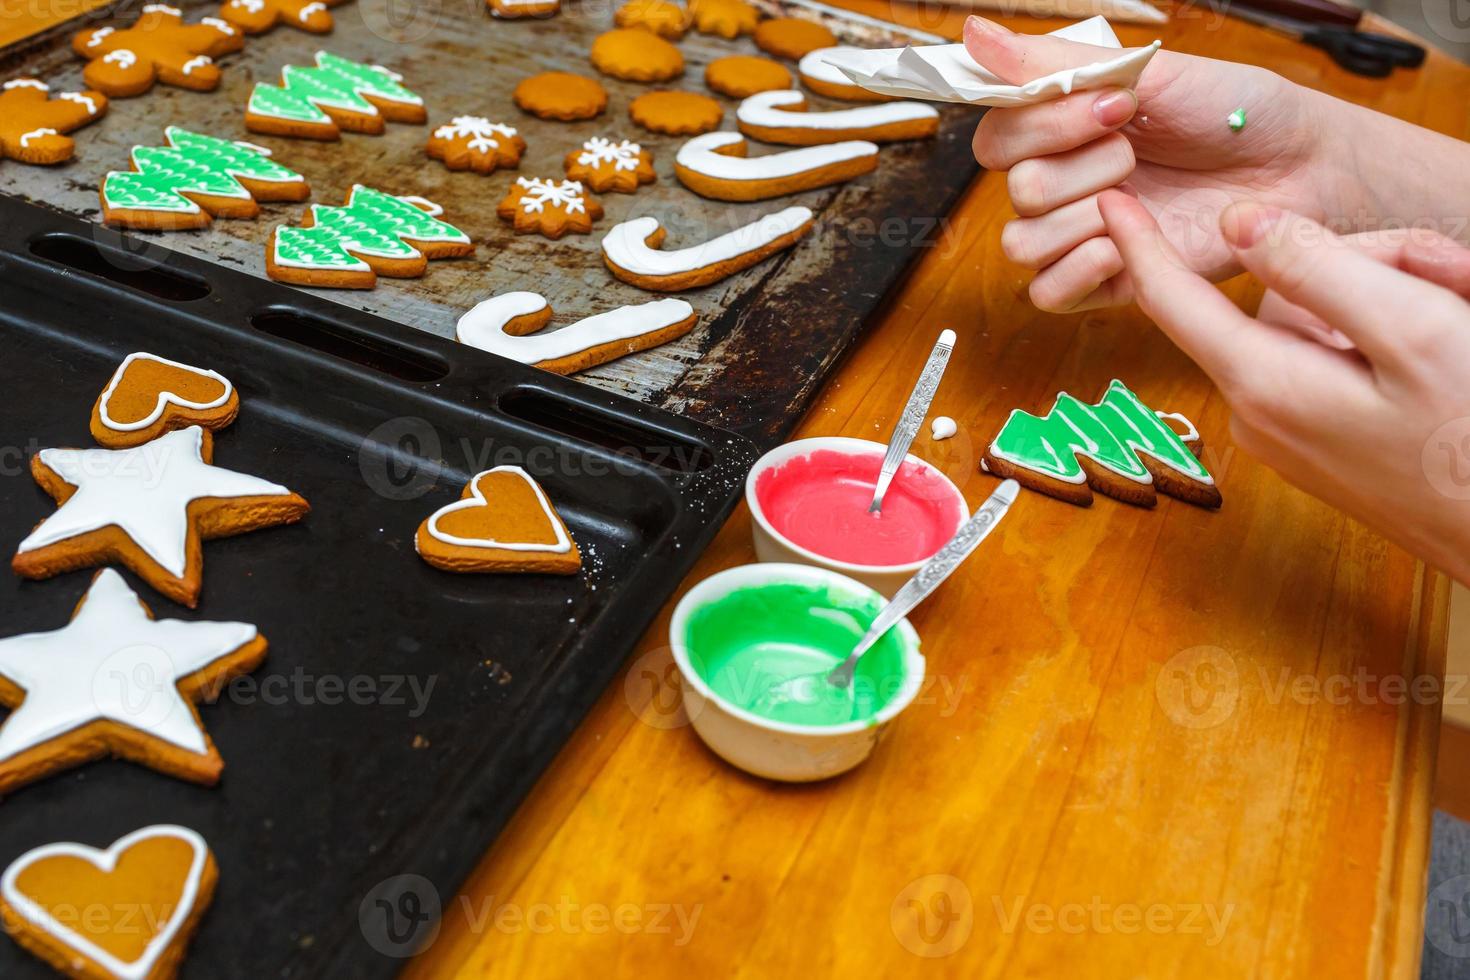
{"x":983,"y":26}
{"x":1243,"y":225}
{"x":1115,"y":108}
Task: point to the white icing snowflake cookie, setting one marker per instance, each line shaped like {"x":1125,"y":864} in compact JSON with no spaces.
{"x":549,"y":207}
{"x":605,"y":165}
{"x":475,"y":143}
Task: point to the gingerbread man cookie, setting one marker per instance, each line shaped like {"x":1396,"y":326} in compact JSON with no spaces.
{"x":338,"y":94}
{"x":194,"y":179}
{"x":150,"y":889}
{"x":561,"y":96}
{"x":661,"y":17}
{"x":159,"y":47}
{"x":149,"y":395}
{"x":516,"y":9}
{"x":636,"y":56}
{"x":725,"y":18}
{"x":502,"y":522}
{"x":782,"y":117}
{"x":792,"y":37}
{"x":715,"y":165}
{"x":511,"y":325}
{"x":33,"y":126}
{"x":676,"y":113}
{"x":150,"y":508}
{"x":475,"y":143}
{"x":549,"y":207}
{"x":605,"y":166}
{"x":742,"y":75}
{"x":259,"y":16}
{"x":632,"y":251}
{"x":75,"y":693}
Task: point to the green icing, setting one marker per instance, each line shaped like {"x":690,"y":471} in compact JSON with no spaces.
{"x":190,"y":163}
{"x":752,"y":640}
{"x":371,"y":223}
{"x":336,"y":83}
{"x":1111,"y":433}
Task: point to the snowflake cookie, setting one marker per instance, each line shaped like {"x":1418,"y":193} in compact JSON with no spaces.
{"x":550,"y":207}
{"x":159,"y":47}
{"x":607,"y":166}
{"x":475,"y":143}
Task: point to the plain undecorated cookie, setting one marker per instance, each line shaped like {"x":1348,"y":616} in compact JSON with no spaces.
{"x":560,"y":95}
{"x":792,"y":37}
{"x":676,"y":113}
{"x":636,"y":56}
{"x":742,"y":75}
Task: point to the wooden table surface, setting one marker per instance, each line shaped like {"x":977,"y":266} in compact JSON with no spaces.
{"x":1154,"y":743}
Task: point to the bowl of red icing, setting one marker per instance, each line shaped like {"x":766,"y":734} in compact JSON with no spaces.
{"x":809,"y":504}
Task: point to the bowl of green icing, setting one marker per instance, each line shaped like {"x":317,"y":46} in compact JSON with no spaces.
{"x":739,"y":636}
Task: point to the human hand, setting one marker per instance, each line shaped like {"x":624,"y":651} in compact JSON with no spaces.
{"x":1377,"y":423}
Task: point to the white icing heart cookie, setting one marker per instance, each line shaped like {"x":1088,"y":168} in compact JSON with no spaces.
{"x":781,"y":117}
{"x":715,"y":165}
{"x":150,"y":395}
{"x":511,"y":325}
{"x":631,"y":251}
{"x":503,"y":522}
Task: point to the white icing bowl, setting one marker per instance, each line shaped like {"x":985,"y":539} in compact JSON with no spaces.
{"x":771,"y":545}
{"x":775,"y":749}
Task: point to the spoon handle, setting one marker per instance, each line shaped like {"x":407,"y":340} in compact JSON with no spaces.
{"x":913,"y":416}
{"x":931,"y":574}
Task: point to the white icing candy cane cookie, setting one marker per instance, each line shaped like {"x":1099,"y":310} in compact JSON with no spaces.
{"x":503,"y":522}
{"x":509,"y":325}
{"x":824,"y":79}
{"x":153,"y":886}
{"x":781,"y":117}
{"x":715,"y":165}
{"x":631,"y":251}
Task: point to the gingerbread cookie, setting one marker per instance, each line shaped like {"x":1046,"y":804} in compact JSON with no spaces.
{"x":159,"y":47}
{"x":549,"y":207}
{"x":792,"y":37}
{"x":511,"y":325}
{"x":782,"y":117}
{"x":150,"y":395}
{"x":636,"y":56}
{"x":148,"y":508}
{"x":148,"y":892}
{"x":561,"y":95}
{"x":632,"y":251}
{"x":33,"y":126}
{"x":475,"y":143}
{"x":824,"y":79}
{"x":661,"y":17}
{"x":338,"y":94}
{"x":725,"y":18}
{"x":114,"y":682}
{"x":516,"y":9}
{"x":715,"y":166}
{"x":741,"y":75}
{"x":259,"y":16}
{"x":676,"y":113}
{"x":501,"y":523}
{"x":194,"y":179}
{"x":1118,"y":447}
{"x":373,"y":234}
{"x":605,"y":166}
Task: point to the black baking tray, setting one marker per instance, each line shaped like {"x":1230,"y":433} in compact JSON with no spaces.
{"x":324,"y":805}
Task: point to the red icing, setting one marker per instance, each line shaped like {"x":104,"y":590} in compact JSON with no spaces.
{"x":820,"y":501}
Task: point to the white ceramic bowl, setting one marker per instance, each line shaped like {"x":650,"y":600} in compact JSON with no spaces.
{"x":772,"y":545}
{"x":775,"y":749}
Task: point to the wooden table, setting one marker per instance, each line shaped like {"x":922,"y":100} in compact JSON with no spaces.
{"x":1155,"y":743}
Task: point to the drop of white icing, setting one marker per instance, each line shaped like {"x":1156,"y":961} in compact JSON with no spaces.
{"x":943,"y":427}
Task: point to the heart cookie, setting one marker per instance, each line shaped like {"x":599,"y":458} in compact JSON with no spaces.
{"x":150,"y":395}
{"x":502,"y":522}
{"x":143,"y":898}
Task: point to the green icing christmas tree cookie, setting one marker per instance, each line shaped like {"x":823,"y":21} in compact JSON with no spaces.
{"x":1119,"y":447}
{"x":338,"y":94}
{"x":373,"y":234}
{"x":194,"y":178}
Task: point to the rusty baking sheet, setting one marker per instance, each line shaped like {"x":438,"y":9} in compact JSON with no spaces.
{"x":767,"y":337}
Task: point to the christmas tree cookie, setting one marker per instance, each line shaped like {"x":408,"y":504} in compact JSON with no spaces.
{"x":1119,"y":447}
{"x":160,"y":47}
{"x":373,"y":234}
{"x":338,"y":94}
{"x":33,"y":126}
{"x":194,"y":178}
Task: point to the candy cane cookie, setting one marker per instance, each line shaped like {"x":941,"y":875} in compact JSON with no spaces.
{"x":631,"y":251}
{"x":782,"y":117}
{"x":511,"y":325}
{"x":715,"y":165}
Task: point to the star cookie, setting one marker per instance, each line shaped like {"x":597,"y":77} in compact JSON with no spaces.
{"x":501,"y":523}
{"x":165,"y":872}
{"x":150,"y":395}
{"x":159,"y":47}
{"x":604,"y":165}
{"x":560,"y":95}
{"x":792,"y":37}
{"x":475,"y":143}
{"x":676,"y":113}
{"x":661,"y":17}
{"x":636,"y":56}
{"x":115,"y":682}
{"x":549,"y":207}
{"x":725,"y":18}
{"x":147,"y":507}
{"x":33,"y":126}
{"x":259,"y":16}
